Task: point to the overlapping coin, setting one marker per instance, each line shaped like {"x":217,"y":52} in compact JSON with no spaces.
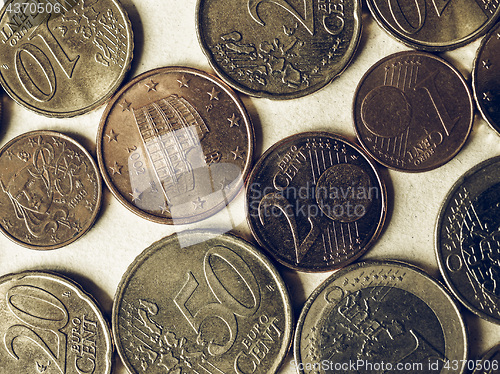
{"x":175,"y":145}
{"x":195,"y":302}
{"x":468,"y":239}
{"x":489,"y":362}
{"x":63,"y":58}
{"x":413,"y":111}
{"x":315,"y":201}
{"x":278,"y":49}
{"x":50,"y":325}
{"x":433,"y":25}
{"x":486,"y":78}
{"x":50,"y":190}
{"x":380,"y":317}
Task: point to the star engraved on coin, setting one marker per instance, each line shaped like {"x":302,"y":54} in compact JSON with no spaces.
{"x":151,"y":85}
{"x":136,"y":195}
{"x":116,"y":169}
{"x":183,"y":82}
{"x":112,"y":136}
{"x":214,"y":94}
{"x":198,"y":203}
{"x":486,"y":64}
{"x":125,"y":106}
{"x":234,"y":121}
{"x":238,"y":153}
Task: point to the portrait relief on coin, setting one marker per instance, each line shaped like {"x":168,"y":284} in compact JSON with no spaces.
{"x":49,"y":325}
{"x":434,"y":25}
{"x":375,"y":317}
{"x":50,"y":190}
{"x":279,"y":49}
{"x":412,"y":111}
{"x":468,"y":240}
{"x":315,"y":202}
{"x":63,"y":58}
{"x":221,"y":308}
{"x":175,"y":145}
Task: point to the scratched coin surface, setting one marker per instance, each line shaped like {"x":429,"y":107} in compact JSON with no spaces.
{"x":468,"y":240}
{"x":435,"y":25}
{"x":380,"y":317}
{"x":279,"y":49}
{"x":489,"y":363}
{"x":63,"y":58}
{"x":413,"y":111}
{"x":315,"y":201}
{"x":175,"y":145}
{"x":50,"y":190}
{"x":486,"y":78}
{"x":50,"y":325}
{"x":195,"y":302}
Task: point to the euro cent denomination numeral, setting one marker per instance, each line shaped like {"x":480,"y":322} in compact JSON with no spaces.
{"x":307,"y":20}
{"x":227,"y":307}
{"x":29,"y":83}
{"x":40,"y":310}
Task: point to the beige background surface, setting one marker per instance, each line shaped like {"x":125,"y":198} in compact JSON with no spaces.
{"x":165,"y":35}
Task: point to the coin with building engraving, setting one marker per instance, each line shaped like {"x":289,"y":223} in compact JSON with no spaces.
{"x":435,"y":25}
{"x":50,"y":325}
{"x":315,"y":201}
{"x":380,"y":317}
{"x":412,"y":111}
{"x":50,"y":190}
{"x":62,"y":58}
{"x":279,"y":49}
{"x":175,"y":145}
{"x":486,"y":78}
{"x":468,"y":239}
{"x":199,"y":302}
{"x":489,"y":362}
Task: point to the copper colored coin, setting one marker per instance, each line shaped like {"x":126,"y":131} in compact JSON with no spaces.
{"x":50,"y":190}
{"x":315,"y":202}
{"x":279,"y":49}
{"x":486,"y":78}
{"x":50,"y":325}
{"x":413,"y":111}
{"x":435,"y":25}
{"x":175,"y":145}
{"x":63,"y":58}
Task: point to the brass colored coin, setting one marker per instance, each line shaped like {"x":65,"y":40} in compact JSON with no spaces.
{"x":195,"y":302}
{"x":380,"y":317}
{"x":50,"y":190}
{"x":50,"y":325}
{"x":63,"y":58}
{"x":315,"y":202}
{"x":433,"y":25}
{"x":278,"y":49}
{"x":413,"y":111}
{"x":468,"y":240}
{"x":489,"y":363}
{"x":175,"y":145}
{"x":486,"y":78}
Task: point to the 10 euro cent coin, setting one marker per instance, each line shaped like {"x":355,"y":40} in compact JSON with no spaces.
{"x":199,"y":303}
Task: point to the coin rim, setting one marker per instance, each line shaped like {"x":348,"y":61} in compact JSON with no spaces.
{"x":362,"y":264}
{"x":378,"y":176}
{"x":437,"y":238}
{"x":208,"y":235}
{"x":97,"y":209}
{"x":357,"y":15}
{"x":241,"y":179}
{"x":83,"y":295}
{"x":114,"y":86}
{"x":427,"y":46}
{"x":356,"y":125}
{"x":475,"y":69}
